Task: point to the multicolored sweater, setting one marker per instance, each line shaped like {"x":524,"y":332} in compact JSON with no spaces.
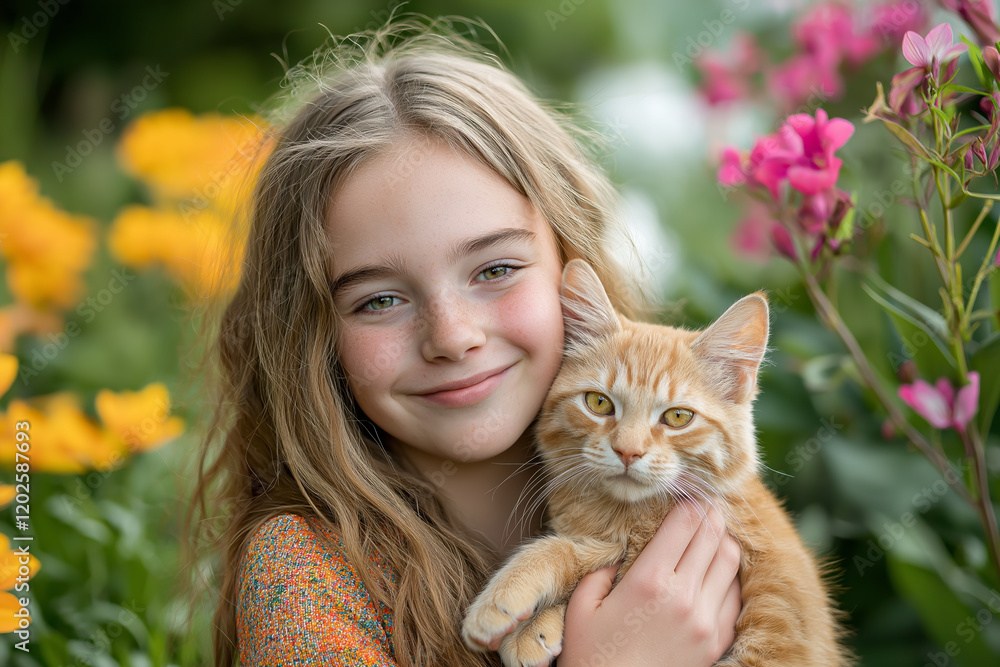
{"x":302,"y":603}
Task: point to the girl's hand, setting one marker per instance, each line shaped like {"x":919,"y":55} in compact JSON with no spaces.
{"x":677,"y":605}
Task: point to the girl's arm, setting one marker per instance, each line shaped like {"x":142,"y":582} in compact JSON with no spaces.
{"x":300,"y":603}
{"x":677,"y":605}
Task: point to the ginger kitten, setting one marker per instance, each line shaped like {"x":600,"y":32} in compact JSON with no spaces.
{"x":638,"y":416}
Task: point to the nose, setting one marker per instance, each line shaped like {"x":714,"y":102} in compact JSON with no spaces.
{"x":628,"y":456}
{"x":451,"y":328}
{"x":629,"y":442}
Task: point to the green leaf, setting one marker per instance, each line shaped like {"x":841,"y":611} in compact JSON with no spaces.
{"x":964,"y":89}
{"x":917,"y":327}
{"x":994,"y":287}
{"x":929,"y":318}
{"x":958,"y":198}
{"x":970,"y":130}
{"x":941,"y":610}
{"x":845,"y":232}
{"x":986,"y":360}
{"x":976,"y":58}
{"x":948,"y":169}
{"x":908,"y":139}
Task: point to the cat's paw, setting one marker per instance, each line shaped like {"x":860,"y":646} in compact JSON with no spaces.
{"x":490,"y":619}
{"x":535,"y":642}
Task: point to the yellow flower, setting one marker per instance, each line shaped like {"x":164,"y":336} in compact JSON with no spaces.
{"x":7,"y":493}
{"x":8,"y":371}
{"x":182,"y":156}
{"x":47,"y":250}
{"x":19,"y":318}
{"x":10,"y":564}
{"x":63,"y":439}
{"x":8,"y":607}
{"x":140,"y":418}
{"x":195,"y":249}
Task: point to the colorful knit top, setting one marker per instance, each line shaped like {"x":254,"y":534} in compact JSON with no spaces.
{"x":302,"y":603}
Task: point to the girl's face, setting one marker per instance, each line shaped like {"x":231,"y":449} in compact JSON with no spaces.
{"x":447,"y":281}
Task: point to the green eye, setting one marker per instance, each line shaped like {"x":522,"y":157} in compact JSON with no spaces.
{"x":379,"y":303}
{"x":494,"y":272}
{"x":677,"y":417}
{"x":599,"y":404}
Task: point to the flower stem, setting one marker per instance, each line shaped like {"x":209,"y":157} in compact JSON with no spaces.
{"x":833,"y":320}
{"x":984,"y":505}
{"x":984,"y":270}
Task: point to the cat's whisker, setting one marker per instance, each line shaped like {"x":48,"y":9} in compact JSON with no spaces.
{"x":730,"y":514}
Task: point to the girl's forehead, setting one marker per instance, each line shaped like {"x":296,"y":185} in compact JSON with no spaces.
{"x":422,"y":194}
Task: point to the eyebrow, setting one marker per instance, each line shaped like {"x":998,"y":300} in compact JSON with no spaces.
{"x":394,"y":263}
{"x":486,"y":241}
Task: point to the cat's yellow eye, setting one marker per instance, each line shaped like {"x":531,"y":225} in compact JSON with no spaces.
{"x":677,"y":417}
{"x":599,"y":404}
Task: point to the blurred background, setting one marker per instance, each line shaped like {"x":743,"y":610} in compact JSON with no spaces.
{"x":105,"y":109}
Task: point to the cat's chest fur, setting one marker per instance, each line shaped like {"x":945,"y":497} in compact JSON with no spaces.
{"x":630,"y":526}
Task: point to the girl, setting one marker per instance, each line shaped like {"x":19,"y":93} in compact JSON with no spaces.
{"x":395,"y":329}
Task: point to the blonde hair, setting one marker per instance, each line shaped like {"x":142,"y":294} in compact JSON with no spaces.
{"x":289,"y":440}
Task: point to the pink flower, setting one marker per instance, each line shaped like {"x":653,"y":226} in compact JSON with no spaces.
{"x":981,"y":16}
{"x":892,"y":20}
{"x":904,"y":97}
{"x":932,"y":52}
{"x":830,"y":32}
{"x":804,"y":76}
{"x":752,"y":237}
{"x":725,"y":77}
{"x":803,"y":154}
{"x":992,"y":59}
{"x":926,"y":56}
{"x":940,"y":405}
{"x":732,"y":171}
{"x":783,"y":242}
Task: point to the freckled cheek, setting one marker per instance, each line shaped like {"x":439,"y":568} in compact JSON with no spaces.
{"x":371,"y":358}
{"x":532,"y":320}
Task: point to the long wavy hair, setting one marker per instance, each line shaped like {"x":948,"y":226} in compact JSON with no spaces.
{"x":284,"y":435}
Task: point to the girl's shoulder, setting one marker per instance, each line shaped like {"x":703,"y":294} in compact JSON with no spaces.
{"x":291,"y":536}
{"x":299,"y":594}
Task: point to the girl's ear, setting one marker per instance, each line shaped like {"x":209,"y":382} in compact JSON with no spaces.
{"x":733,"y":347}
{"x":587,"y":311}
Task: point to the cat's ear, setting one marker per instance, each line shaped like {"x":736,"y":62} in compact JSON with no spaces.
{"x":733,"y":347}
{"x":587,"y":311}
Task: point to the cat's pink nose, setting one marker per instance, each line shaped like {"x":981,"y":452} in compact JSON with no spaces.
{"x":628,"y":457}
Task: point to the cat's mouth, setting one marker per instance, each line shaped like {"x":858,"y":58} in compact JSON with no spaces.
{"x":628,"y":477}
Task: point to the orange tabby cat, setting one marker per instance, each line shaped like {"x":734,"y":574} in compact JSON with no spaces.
{"x":643,"y":414}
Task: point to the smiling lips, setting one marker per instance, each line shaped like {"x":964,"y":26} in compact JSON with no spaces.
{"x":469,"y":391}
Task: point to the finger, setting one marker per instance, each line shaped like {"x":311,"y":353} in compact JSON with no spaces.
{"x":593,"y":588}
{"x":702,"y":549}
{"x":729,"y":612}
{"x":665,"y":548}
{"x":724,"y":568}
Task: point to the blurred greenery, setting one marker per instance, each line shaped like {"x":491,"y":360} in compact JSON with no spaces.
{"x":901,"y":547}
